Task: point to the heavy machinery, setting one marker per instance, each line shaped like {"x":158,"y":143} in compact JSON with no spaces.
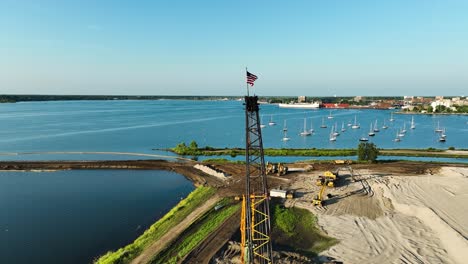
{"x":280,"y":168}
{"x":343,"y":162}
{"x":318,"y":198}
{"x":325,"y":181}
{"x":328,"y":178}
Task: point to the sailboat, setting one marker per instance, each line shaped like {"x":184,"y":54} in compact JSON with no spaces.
{"x":391,"y":117}
{"x":376,"y":128}
{"x":442,"y":139}
{"x":401,"y":134}
{"x":413,"y":126}
{"x":311,"y":126}
{"x":384,"y":126}
{"x":371,"y":131}
{"x":438,"y":129}
{"x":404,"y":128}
{"x":330,"y":115}
{"x":397,"y":138}
{"x":343,"y":129}
{"x":305,"y":132}
{"x":261,"y":124}
{"x":364,"y":139}
{"x":285,"y":136}
{"x":332,"y":134}
{"x":323,"y":123}
{"x":442,"y":134}
{"x":335,"y":132}
{"x":355,"y":125}
{"x":271,"y":123}
{"x":349,"y":123}
{"x":285,"y":128}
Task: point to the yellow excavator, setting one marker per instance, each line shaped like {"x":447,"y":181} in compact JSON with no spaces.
{"x":327,"y":178}
{"x":319,"y":197}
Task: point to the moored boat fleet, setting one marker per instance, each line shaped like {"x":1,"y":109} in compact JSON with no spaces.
{"x":335,"y":131}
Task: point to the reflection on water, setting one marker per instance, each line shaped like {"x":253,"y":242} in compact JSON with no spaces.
{"x":140,"y":126}
{"x":75,"y":216}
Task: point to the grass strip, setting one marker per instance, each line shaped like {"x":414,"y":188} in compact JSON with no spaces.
{"x":184,"y":150}
{"x":158,"y":229}
{"x":196,"y":233}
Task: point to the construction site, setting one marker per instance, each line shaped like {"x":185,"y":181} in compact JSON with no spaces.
{"x":306,"y":212}
{"x":397,"y":212}
{"x":331,"y":212}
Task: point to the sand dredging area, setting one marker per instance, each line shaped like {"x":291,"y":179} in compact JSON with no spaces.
{"x":401,"y":219}
{"x":399,"y":212}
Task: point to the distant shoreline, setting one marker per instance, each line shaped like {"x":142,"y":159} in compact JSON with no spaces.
{"x":45,"y":98}
{"x":418,"y":113}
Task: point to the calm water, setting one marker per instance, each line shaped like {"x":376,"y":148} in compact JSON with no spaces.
{"x":78,"y":215}
{"x":74,"y":216}
{"x":139,"y":126}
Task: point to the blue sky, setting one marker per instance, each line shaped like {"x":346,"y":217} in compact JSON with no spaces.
{"x":313,"y":47}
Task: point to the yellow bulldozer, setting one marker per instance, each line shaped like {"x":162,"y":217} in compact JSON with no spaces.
{"x":328,"y":178}
{"x":280,"y":168}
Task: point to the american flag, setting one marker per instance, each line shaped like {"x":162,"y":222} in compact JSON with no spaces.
{"x":251,"y":78}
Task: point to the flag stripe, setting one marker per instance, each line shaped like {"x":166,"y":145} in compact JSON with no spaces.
{"x":251,"y":78}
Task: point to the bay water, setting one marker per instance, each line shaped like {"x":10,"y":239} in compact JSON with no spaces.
{"x":74,"y":216}
{"x":141,"y":126}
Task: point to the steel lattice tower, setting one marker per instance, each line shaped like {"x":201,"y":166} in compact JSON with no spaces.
{"x":255,"y":217}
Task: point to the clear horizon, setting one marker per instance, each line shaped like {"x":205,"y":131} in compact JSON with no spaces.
{"x":198,"y":48}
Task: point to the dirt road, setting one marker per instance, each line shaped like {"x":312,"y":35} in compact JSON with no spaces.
{"x":151,"y":251}
{"x":215,"y":241}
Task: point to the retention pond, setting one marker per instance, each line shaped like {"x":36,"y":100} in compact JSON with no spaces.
{"x":75,"y":216}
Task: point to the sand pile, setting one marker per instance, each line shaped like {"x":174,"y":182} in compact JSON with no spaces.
{"x":404,"y":219}
{"x":424,"y":220}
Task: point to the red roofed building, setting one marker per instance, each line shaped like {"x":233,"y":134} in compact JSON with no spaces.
{"x":329,"y":105}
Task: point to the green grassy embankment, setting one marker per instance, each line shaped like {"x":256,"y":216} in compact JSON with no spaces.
{"x":196,"y":233}
{"x":158,"y":229}
{"x":296,"y":229}
{"x":194,"y":150}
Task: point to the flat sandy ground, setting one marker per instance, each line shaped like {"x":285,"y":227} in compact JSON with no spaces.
{"x":382,"y":217}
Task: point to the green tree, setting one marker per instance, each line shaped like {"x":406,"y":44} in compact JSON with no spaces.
{"x":440,"y":109}
{"x":367,"y":152}
{"x":181,"y":148}
{"x":193,"y":145}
